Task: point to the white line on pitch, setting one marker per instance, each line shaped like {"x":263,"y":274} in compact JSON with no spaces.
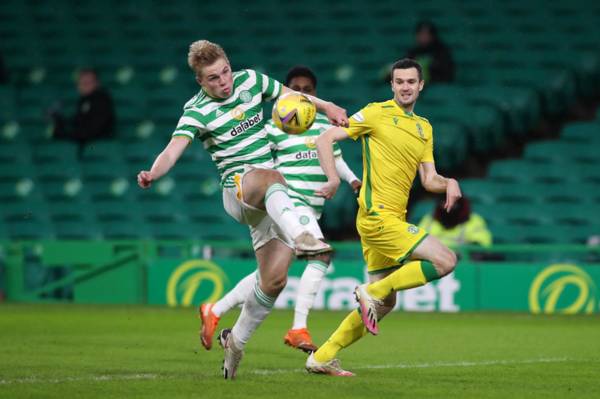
{"x":148,"y":376}
{"x":436,"y":364}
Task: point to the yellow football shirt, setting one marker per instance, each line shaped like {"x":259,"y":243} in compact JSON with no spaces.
{"x":394,"y":143}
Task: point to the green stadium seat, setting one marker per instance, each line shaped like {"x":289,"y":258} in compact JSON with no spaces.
{"x":115,"y":210}
{"x":194,"y":191}
{"x":207,"y":212}
{"x":558,"y":151}
{"x":92,"y":172}
{"x":146,"y":152}
{"x":11,"y":174}
{"x":520,"y":106}
{"x":228,"y":231}
{"x":569,"y":193}
{"x":451,"y":143}
{"x":486,"y":192}
{"x":26,"y":131}
{"x":68,"y":230}
{"x":103,"y":151}
{"x":174,"y":231}
{"x":583,"y":132}
{"x":119,"y":189}
{"x":73,"y":211}
{"x":55,"y":152}
{"x":30,"y":230}
{"x":513,"y":214}
{"x":420,"y":209}
{"x":163,"y":213}
{"x":508,"y":234}
{"x":119,"y":230}
{"x":33,"y":101}
{"x":14,"y":154}
{"x":525,"y":171}
{"x":7,"y":102}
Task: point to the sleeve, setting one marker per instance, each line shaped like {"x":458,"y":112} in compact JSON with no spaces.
{"x":428,"y":153}
{"x":271,"y":135}
{"x":270,"y":88}
{"x":189,"y":125}
{"x":323,"y":125}
{"x":362,"y":122}
{"x":344,"y":170}
{"x":337,"y":151}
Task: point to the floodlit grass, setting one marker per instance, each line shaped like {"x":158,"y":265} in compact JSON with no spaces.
{"x":69,"y":351}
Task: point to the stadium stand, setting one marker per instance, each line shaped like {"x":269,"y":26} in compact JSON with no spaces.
{"x":517,"y":63}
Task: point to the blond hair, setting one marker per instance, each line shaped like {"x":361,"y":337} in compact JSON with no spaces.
{"x":203,"y":53}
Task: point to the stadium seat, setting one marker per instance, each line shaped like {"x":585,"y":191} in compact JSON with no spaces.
{"x":583,"y":132}
{"x":103,"y":151}
{"x":420,"y":209}
{"x":30,"y":230}
{"x":509,"y":234}
{"x":559,"y":151}
{"x":14,"y":154}
{"x":55,"y":152}
{"x":72,"y":211}
{"x":68,"y":230}
{"x":124,"y":230}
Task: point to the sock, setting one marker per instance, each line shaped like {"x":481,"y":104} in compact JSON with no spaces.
{"x":350,"y":330}
{"x":307,"y":291}
{"x":410,"y":275}
{"x":281,"y":209}
{"x":236,"y":296}
{"x":256,"y":308}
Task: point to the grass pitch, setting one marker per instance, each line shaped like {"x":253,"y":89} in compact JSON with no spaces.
{"x":68,"y":351}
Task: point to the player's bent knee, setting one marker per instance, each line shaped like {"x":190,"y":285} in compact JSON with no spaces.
{"x":446,"y":262}
{"x":276,"y":285}
{"x":272,"y":177}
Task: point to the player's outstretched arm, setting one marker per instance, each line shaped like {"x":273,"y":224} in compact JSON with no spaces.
{"x":327,"y":160}
{"x":337,"y":115}
{"x":163,"y":162}
{"x":436,"y":183}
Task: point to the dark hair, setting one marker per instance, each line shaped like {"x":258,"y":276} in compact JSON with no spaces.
{"x":459,"y":214}
{"x":407,"y":63}
{"x":429,"y":26}
{"x":301,"y":70}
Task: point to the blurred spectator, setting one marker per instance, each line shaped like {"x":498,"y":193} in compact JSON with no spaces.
{"x":3,"y":72}
{"x":431,"y":52}
{"x":457,"y":227}
{"x":95,"y":115}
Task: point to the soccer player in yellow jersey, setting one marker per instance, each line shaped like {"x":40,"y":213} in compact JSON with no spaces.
{"x":396,"y":144}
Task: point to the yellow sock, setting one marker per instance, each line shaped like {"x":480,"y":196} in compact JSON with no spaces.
{"x":350,"y":330}
{"x":410,"y":275}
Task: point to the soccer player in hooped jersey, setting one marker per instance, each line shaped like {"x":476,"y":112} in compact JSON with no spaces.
{"x":396,"y":145}
{"x":226,"y":115}
{"x":296,"y":158}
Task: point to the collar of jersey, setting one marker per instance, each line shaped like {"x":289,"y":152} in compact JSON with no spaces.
{"x":404,"y":112}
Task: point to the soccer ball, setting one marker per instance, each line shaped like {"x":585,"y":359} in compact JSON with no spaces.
{"x":294,"y":113}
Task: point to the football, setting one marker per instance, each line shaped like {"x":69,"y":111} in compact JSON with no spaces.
{"x":294,"y":113}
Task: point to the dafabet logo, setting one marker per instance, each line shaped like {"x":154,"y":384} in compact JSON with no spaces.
{"x":563,"y":288}
{"x":195,"y":281}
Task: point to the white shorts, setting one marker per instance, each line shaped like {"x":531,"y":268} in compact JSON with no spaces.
{"x":262,"y":227}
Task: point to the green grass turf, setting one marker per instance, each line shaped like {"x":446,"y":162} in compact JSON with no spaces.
{"x":68,"y":351}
